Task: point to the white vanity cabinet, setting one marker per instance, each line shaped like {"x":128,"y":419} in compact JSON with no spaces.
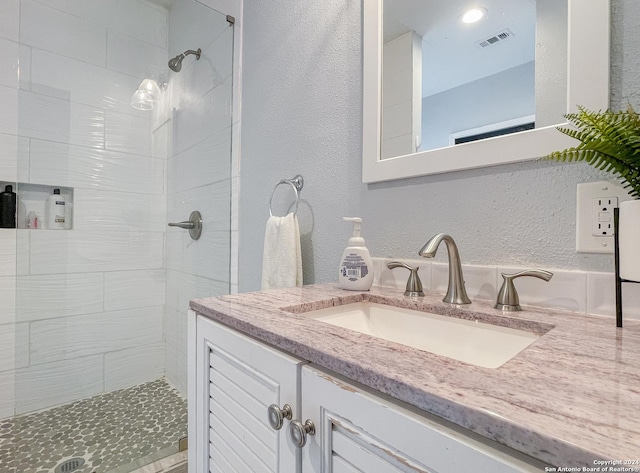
{"x":233,"y":379}
{"x":357,"y":431}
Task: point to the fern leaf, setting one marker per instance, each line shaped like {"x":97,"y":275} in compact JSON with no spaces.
{"x":609,"y":141}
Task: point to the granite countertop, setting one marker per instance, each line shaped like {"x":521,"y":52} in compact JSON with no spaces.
{"x":569,"y":399}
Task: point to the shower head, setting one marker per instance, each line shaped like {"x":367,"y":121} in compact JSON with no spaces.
{"x":175,"y":64}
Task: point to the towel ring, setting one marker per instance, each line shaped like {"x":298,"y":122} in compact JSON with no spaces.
{"x":296,"y":183}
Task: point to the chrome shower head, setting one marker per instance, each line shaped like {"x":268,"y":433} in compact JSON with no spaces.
{"x":175,"y":64}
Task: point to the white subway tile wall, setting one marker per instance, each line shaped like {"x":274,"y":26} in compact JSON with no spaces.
{"x":62,"y":33}
{"x":187,"y":169}
{"x":479,"y":280}
{"x":7,"y":393}
{"x":8,"y":253}
{"x":124,"y":53}
{"x":9,"y":24}
{"x":576,"y":291}
{"x":9,"y":110}
{"x":118,"y":211}
{"x":81,"y":311}
{"x":134,"y":289}
{"x":79,"y":336}
{"x":52,"y":384}
{"x":8,"y":153}
{"x":566,"y":290}
{"x":53,"y":252}
{"x":7,"y":302}
{"x":85,"y":83}
{"x":128,"y":133}
{"x":88,"y":168}
{"x":61,"y":295}
{"x":14,"y":346}
{"x":601,"y":300}
{"x":9,"y":71}
{"x":132,"y":366}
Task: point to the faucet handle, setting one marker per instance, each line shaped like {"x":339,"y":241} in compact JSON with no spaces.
{"x":414,"y":285}
{"x":508,"y":296}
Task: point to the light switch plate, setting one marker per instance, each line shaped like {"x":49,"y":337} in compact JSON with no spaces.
{"x":588,"y":195}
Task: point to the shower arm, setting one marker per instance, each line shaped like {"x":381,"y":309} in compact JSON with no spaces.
{"x":191,"y":51}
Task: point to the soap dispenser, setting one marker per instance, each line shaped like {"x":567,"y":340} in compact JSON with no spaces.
{"x":356,"y":268}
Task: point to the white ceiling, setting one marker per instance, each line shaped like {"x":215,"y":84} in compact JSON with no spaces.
{"x":451,"y":56}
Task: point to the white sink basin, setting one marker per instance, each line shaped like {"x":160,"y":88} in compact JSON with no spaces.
{"x":472,"y":342}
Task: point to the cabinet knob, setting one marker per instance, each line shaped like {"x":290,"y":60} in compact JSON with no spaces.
{"x":277,"y":415}
{"x":299,"y":432}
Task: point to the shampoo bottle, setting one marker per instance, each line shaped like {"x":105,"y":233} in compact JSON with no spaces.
{"x":356,"y":268}
{"x":8,"y":208}
{"x":56,"y":205}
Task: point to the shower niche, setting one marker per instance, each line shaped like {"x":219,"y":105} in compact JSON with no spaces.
{"x":32,"y":204}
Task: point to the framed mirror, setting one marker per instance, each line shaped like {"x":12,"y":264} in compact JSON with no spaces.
{"x":560,"y":64}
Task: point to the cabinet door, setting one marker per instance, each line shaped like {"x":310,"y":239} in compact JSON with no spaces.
{"x":237,"y":379}
{"x":357,"y":431}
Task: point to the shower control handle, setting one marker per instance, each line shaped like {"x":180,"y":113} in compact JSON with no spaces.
{"x":194,"y":225}
{"x":186,"y":225}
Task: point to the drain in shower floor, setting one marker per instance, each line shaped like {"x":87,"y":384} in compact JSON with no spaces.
{"x":69,"y":466}
{"x":111,"y":432}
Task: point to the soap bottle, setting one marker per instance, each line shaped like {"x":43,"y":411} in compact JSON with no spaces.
{"x":56,"y":205}
{"x":356,"y":268}
{"x":33,"y":221}
{"x":8,"y":208}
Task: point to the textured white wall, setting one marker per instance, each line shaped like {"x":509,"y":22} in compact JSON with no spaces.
{"x":301,"y":106}
{"x":302,"y":99}
{"x":507,"y":95}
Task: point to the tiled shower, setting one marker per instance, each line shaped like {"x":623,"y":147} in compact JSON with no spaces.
{"x":100,"y":306}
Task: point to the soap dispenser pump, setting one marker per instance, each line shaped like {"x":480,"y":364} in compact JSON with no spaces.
{"x":356,"y":268}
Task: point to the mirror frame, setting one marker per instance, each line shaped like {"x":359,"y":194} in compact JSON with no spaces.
{"x":587,"y":85}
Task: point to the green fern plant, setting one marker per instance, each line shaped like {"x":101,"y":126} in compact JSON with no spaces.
{"x":609,"y":141}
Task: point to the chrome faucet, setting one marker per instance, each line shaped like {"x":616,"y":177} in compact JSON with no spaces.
{"x":414,"y":285}
{"x":456,"y":293}
{"x":508,"y":299}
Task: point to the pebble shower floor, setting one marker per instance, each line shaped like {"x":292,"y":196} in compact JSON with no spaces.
{"x":115,"y":432}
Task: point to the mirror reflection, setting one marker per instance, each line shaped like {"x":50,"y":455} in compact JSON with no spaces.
{"x":448,"y":80}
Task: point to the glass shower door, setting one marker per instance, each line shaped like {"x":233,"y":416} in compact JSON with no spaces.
{"x":96,"y":310}
{"x":199,"y":170}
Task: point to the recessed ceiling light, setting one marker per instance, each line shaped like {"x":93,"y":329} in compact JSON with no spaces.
{"x":473,"y":15}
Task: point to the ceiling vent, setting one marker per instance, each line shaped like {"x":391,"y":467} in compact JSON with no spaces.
{"x":496,"y":38}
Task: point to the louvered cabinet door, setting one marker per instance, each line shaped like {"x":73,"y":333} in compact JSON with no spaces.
{"x":359,"y":431}
{"x":238,"y":380}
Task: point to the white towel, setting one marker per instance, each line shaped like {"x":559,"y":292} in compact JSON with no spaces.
{"x":282,"y":258}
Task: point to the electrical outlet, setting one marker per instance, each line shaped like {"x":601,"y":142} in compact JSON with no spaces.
{"x":595,"y":202}
{"x":602,"y":216}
